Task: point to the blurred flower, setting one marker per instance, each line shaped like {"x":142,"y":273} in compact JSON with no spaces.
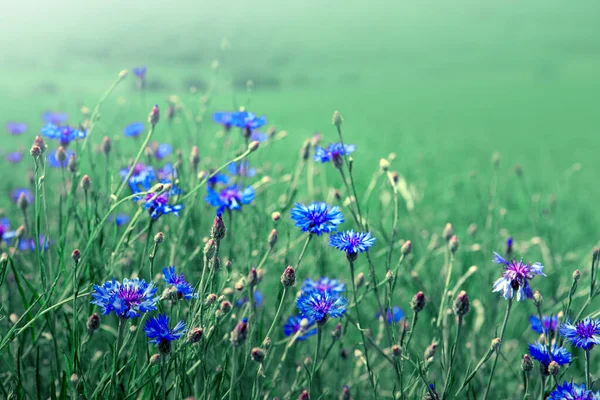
{"x":16,"y":128}
{"x":218,"y":179}
{"x":352,"y":242}
{"x":258,"y":136}
{"x":140,"y":72}
{"x":134,"y":129}
{"x":16,"y":193}
{"x":583,"y":334}
{"x":241,"y":169}
{"x":184,"y":288}
{"x":28,"y":244}
{"x":5,"y":232}
{"x":540,"y":352}
{"x":317,"y":218}
{"x":14,"y":157}
{"x":550,"y":323}
{"x":53,"y":161}
{"x":163,"y":150}
{"x":142,"y":175}
{"x":320,"y":306}
{"x":324,"y":285}
{"x":247,"y":120}
{"x":293,"y":325}
{"x":516,"y":277}
{"x":157,"y":330}
{"x":128,"y":299}
{"x":334,"y":152}
{"x":232,"y":197}
{"x":64,"y":134}
{"x":258,"y":299}
{"x":224,"y":118}
{"x":393,"y":315}
{"x":56,"y":118}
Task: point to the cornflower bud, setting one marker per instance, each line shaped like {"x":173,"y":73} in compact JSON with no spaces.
{"x":495,"y":345}
{"x":276,"y":216}
{"x":576,"y":275}
{"x":359,"y":280}
{"x":218,"y":229}
{"x":461,"y":304}
{"x":22,"y":201}
{"x":288,"y":278}
{"x":154,"y":115}
{"x":553,"y":368}
{"x":337,"y":119}
{"x":72,"y":164}
{"x":418,"y":302}
{"x":538,"y":299}
{"x":225,"y":306}
{"x":396,"y":351}
{"x":526,"y":363}
{"x":257,"y":354}
{"x":76,"y":255}
{"x":448,"y":232}
{"x":430,"y":351}
{"x":195,"y":335}
{"x":272,"y":239}
{"x":106,"y":145}
{"x":336,"y":332}
{"x":253,"y":146}
{"x":406,"y":248}
{"x":93,"y":323}
{"x":159,"y":238}
{"x":239,"y":333}
{"x":86,"y":183}
{"x":252,"y":278}
{"x":453,"y":244}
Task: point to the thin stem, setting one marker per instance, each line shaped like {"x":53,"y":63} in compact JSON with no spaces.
{"x":163,"y":377}
{"x":301,"y":256}
{"x":233,"y":362}
{"x":588,"y":377}
{"x":135,"y":161}
{"x":317,"y":349}
{"x":276,"y":318}
{"x":489,"y":384}
{"x":452,"y":354}
{"x":542,"y":387}
{"x":525,"y":385}
{"x":445,"y":292}
{"x":118,"y":343}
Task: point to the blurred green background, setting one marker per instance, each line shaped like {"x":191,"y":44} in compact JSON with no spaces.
{"x":442,"y":84}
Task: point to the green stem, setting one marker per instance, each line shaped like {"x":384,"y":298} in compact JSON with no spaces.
{"x":276,"y":318}
{"x":588,"y":377}
{"x":542,"y":387}
{"x":118,"y":343}
{"x":445,"y":292}
{"x":301,"y":256}
{"x":489,"y":384}
{"x":452,"y":354}
{"x":525,"y":385}
{"x":163,"y":377}
{"x":233,"y":362}
{"x":315,"y":361}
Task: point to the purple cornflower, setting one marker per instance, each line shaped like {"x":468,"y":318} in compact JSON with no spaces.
{"x":183,"y":287}
{"x":16,"y":128}
{"x":232,"y":197}
{"x":241,"y":169}
{"x":393,"y":315}
{"x":540,"y":352}
{"x":321,"y":306}
{"x":14,"y":157}
{"x":324,"y":285}
{"x":134,"y":129}
{"x":583,"y":334}
{"x":158,"y":331}
{"x":352,"y":242}
{"x":258,"y":299}
{"x":5,"y":232}
{"x":294,"y":324}
{"x":128,"y":299}
{"x":317,"y":218}
{"x":54,"y":117}
{"x":571,"y":391}
{"x":16,"y":194}
{"x":224,"y":118}
{"x":64,"y":134}
{"x":334,"y":152}
{"x":550,"y":323}
{"x":53,"y":161}
{"x":516,"y":277}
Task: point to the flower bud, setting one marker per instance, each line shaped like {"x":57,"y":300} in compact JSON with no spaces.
{"x":526,"y":363}
{"x":225,"y":306}
{"x":304,"y":323}
{"x":448,"y":232}
{"x":304,"y":395}
{"x":72,"y":164}
{"x":74,"y":379}
{"x":93,"y":323}
{"x":406,"y":248}
{"x":239,"y":333}
{"x":76,"y":255}
{"x":384,"y":165}
{"x":154,"y":115}
{"x":106,"y":145}
{"x":509,"y":246}
{"x":305,"y":150}
{"x":495,"y":345}
{"x":453,"y":244}
{"x":595,"y":253}
{"x":61,"y":155}
{"x":461,"y":304}
{"x":359,"y":280}
{"x":288,"y":278}
{"x":276,"y":216}
{"x":538,"y":299}
{"x":35,"y":151}
{"x":155,"y":359}
{"x":39,"y":141}
{"x":253,"y":146}
{"x":210,"y":248}
{"x":553,"y":368}
{"x":252,"y":278}
{"x":86,"y":183}
{"x":218,"y":229}
{"x":396,"y":351}
{"x":267,"y":343}
{"x":273,"y":236}
{"x":336,"y":332}
{"x":337,"y":119}
{"x":211,"y":298}
{"x":159,"y":238}
{"x":389,"y":276}
{"x":257,"y":354}
{"x":345,"y":395}
{"x":430,"y":351}
{"x":195,"y":157}
{"x":418,"y":302}
{"x":22,"y":201}
{"x":123,"y":74}
{"x":576,"y":275}
{"x":20,"y":232}
{"x":239,"y":285}
{"x":195,"y":335}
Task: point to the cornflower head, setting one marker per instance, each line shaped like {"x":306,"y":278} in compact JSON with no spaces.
{"x":158,"y":204}
{"x":166,"y":172}
{"x":516,"y":277}
{"x":28,"y":244}
{"x":16,"y":128}
{"x":549,"y":323}
{"x":141,"y":176}
{"x":14,"y":157}
{"x":55,"y":162}
{"x":54,"y":117}
{"x":352,"y":242}
{"x":571,"y":391}
{"x":128,"y":299}
{"x":247,"y":121}
{"x":64,"y":134}
{"x":324,"y":285}
{"x":392,"y":315}
{"x":140,"y":72}
{"x":217,"y":179}
{"x":334,"y":152}
{"x":317,"y":218}
{"x":231,"y":197}
{"x":159,"y":333}
{"x":134,"y":129}
{"x":224,"y":118}
{"x":320,"y":306}
{"x":584,"y":334}
{"x":294,"y":325}
{"x":258,"y":299}
{"x":540,"y":353}
{"x":241,"y":169}
{"x":160,"y":150}
{"x":16,"y":194}
{"x":184,"y":289}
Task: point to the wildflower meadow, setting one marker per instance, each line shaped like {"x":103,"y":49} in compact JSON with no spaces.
{"x":221,"y":242}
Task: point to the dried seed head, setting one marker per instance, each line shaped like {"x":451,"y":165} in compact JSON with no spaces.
{"x":288,"y":278}
{"x":418,"y":302}
{"x":461,"y":304}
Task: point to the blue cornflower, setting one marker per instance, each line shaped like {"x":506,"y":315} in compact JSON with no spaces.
{"x":167,"y":172}
{"x":516,"y":277}
{"x":5,"y":232}
{"x":53,"y":161}
{"x":320,"y":306}
{"x":140,"y":72}
{"x":64,"y":134}
{"x":28,"y":244}
{"x":550,"y":323}
{"x":217,"y":179}
{"x":16,"y":193}
{"x":584,"y":334}
{"x":14,"y":157}
{"x":258,"y":137}
{"x":293,"y":325}
{"x":183,"y":287}
{"x":241,"y":169}
{"x":158,"y":331}
{"x":224,"y":118}
{"x":158,"y":204}
{"x":122,"y":219}
{"x":352,"y":242}
{"x":232,"y":197}
{"x":163,"y":150}
{"x":54,"y":117}
{"x":540,"y":352}
{"x":324,"y":285}
{"x":134,"y":129}
{"x":334,"y":152}
{"x":571,"y":391}
{"x":393,"y":315}
{"x":248,"y":121}
{"x":128,"y":299}
{"x":317,"y":218}
{"x":16,"y":128}
{"x":258,"y":299}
